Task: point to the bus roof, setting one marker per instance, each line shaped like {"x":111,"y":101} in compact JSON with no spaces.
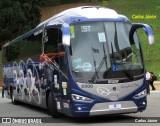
{"x":78,"y":14}
{"x":84,"y":13}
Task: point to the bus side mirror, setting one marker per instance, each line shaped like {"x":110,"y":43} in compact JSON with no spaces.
{"x":66,"y":34}
{"x":146,"y":28}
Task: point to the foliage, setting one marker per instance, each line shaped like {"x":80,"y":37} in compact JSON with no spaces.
{"x":17,"y":17}
{"x":126,"y":7}
{"x":143,"y":7}
{"x":58,"y":2}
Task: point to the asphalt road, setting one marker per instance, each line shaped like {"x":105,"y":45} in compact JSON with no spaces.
{"x":7,"y":109}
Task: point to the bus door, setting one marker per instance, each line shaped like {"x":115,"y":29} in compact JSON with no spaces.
{"x":63,"y":79}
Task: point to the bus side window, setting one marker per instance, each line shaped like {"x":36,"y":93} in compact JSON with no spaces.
{"x":54,"y":37}
{"x":4,"y":58}
{"x":12,"y":52}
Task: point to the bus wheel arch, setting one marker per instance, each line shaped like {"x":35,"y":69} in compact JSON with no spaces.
{"x":11,"y":88}
{"x":47,"y":95}
{"x":52,"y":106}
{"x":15,"y":102}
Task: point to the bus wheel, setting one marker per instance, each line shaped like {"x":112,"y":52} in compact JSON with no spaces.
{"x":15,"y":102}
{"x":52,"y":107}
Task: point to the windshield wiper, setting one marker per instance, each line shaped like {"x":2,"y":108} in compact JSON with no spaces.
{"x":129,"y":75}
{"x":97,"y":70}
{"x":114,"y":61}
{"x":76,"y":72}
{"x":100,"y":65}
{"x":94,"y":62}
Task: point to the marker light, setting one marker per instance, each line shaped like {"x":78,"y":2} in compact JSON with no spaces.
{"x":79,"y":108}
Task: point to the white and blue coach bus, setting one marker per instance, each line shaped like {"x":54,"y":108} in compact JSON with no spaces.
{"x":84,"y":61}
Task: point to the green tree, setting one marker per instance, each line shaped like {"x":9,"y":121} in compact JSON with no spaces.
{"x":58,"y":2}
{"x":17,"y":17}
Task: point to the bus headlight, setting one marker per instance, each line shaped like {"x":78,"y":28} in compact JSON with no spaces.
{"x":141,"y":94}
{"x":81,"y":98}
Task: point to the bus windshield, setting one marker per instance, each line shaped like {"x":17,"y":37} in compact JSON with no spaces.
{"x":102,"y":51}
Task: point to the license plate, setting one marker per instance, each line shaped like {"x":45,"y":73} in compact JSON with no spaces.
{"x":115,"y":106}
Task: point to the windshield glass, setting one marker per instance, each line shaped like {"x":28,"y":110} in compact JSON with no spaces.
{"x":101,"y":51}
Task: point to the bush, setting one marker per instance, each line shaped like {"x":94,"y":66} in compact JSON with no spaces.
{"x":17,"y":17}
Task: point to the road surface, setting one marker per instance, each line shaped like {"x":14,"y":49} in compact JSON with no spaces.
{"x":7,"y":109}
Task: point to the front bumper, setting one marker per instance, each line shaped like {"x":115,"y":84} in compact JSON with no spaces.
{"x":113,"y":108}
{"x":120,"y":107}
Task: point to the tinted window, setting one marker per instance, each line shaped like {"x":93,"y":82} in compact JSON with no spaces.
{"x":12,"y":52}
{"x":27,"y":47}
{"x":54,"y":37}
{"x":31,"y":46}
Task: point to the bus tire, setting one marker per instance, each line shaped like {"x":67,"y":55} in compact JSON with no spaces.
{"x":15,"y":102}
{"x":52,"y":107}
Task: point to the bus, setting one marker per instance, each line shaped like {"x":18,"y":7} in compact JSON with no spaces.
{"x":82,"y":62}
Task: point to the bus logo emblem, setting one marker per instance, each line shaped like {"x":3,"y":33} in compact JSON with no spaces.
{"x":114,"y":88}
{"x":103,"y":91}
